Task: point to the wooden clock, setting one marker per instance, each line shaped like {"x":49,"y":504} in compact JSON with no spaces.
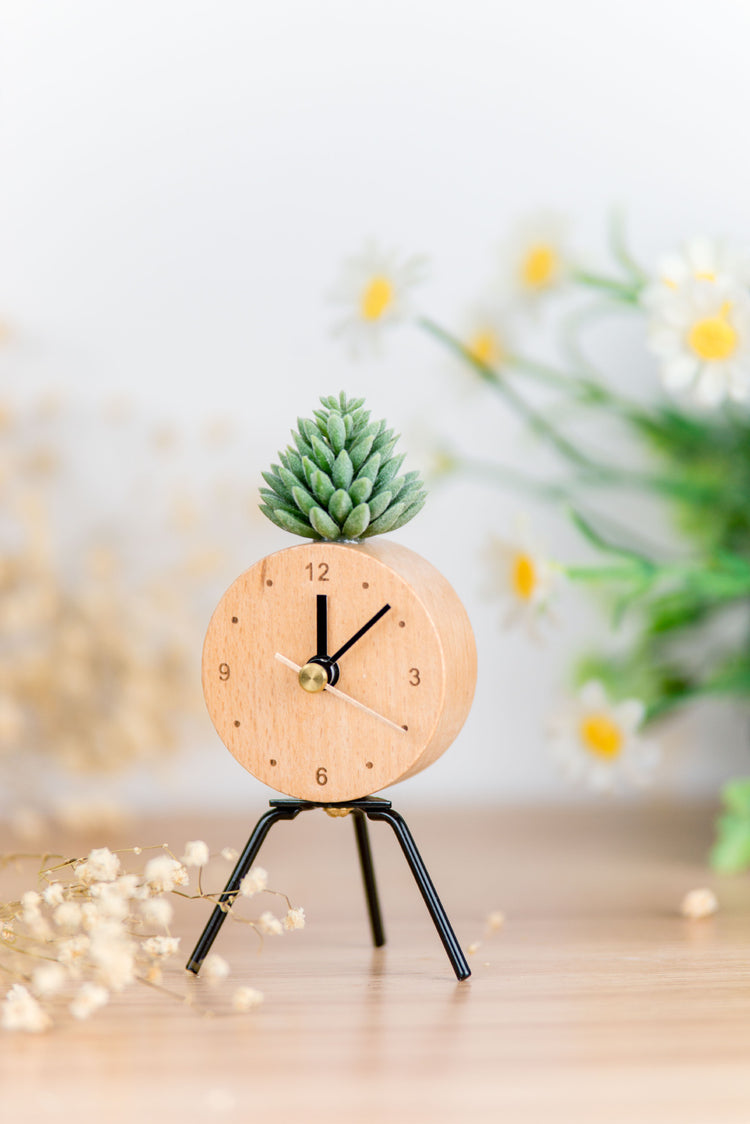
{"x":332,"y":670}
{"x":337,"y":667}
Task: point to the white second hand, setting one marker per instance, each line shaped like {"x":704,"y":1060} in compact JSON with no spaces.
{"x":340,"y":694}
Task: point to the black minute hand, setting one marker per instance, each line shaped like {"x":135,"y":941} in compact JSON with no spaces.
{"x":358,"y":635}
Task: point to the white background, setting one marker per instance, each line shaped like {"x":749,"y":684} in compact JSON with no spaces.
{"x":179,"y":182}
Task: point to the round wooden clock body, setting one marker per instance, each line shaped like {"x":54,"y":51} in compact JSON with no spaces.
{"x":390,"y":705}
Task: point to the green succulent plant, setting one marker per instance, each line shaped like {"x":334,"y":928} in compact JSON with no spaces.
{"x":340,"y":478}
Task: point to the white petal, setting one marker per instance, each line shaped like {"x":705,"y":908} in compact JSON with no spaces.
{"x":711,"y":387}
{"x":629,"y":714}
{"x":679,"y":372}
{"x":702,"y":254}
{"x":593,"y":696}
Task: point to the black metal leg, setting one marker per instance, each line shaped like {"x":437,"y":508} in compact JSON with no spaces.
{"x":368,"y":877}
{"x":230,"y":891}
{"x":432,"y":901}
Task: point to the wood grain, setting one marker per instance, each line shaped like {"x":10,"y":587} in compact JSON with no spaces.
{"x":596,"y":1004}
{"x":416,"y":668}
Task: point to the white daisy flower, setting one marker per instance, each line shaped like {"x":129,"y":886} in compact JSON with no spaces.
{"x":521,"y":576}
{"x":375,"y":288}
{"x":701,"y":335}
{"x":535,"y":258}
{"x":701,"y":259}
{"x":597,"y":741}
{"x":487,"y":337}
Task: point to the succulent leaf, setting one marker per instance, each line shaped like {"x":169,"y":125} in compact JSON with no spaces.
{"x":361,"y":490}
{"x":322,"y":486}
{"x":336,"y":432}
{"x":357,"y":523}
{"x":338,"y":479}
{"x":343,"y":470}
{"x":339,"y":506}
{"x":323,"y":524}
{"x":322,"y":454}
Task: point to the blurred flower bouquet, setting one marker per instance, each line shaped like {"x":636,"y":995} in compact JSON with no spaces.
{"x":685,"y":603}
{"x":109,"y":552}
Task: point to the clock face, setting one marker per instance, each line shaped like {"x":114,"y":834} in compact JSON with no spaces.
{"x":331,"y":670}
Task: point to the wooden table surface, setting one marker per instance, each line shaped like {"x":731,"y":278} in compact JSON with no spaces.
{"x":596,"y":1001}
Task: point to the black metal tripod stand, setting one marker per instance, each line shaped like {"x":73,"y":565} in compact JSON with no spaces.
{"x":369,"y":808}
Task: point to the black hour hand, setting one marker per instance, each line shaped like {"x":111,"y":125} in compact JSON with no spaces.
{"x":322,"y":619}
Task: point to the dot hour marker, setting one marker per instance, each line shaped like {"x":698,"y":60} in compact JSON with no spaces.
{"x":236,"y":722}
{"x":402,"y":624}
{"x":272,"y":761}
{"x":404,"y":727}
{"x":268,"y":581}
{"x":368,"y":764}
{"x":365,"y":585}
{"x":234,"y":620}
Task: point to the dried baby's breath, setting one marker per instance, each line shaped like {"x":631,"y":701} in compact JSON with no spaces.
{"x":698,"y":904}
{"x":97,"y":634}
{"x":254,"y":882}
{"x":87,"y":934}
{"x":245,"y":998}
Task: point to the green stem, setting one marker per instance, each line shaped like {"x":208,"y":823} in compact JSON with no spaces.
{"x":535,"y":421}
{"x":592,"y":471}
{"x":619,"y":246}
{"x":628,"y":292}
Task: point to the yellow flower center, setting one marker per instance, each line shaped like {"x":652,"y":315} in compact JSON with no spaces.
{"x":523,"y":576}
{"x":539,"y":266}
{"x":376,"y":298}
{"x":601,"y":736}
{"x":485,"y":347}
{"x":714,"y":338}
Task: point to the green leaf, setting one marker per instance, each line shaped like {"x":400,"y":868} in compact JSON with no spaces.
{"x":322,"y":455}
{"x":731,"y":851}
{"x":360,"y":451}
{"x":293,"y":461}
{"x":412,"y":510}
{"x":309,"y":468}
{"x":289,"y":522}
{"x":386,"y":522}
{"x":736,"y":796}
{"x":323,"y":523}
{"x":322,"y":486}
{"x":336,"y":432}
{"x":303,"y":499}
{"x":379,"y":503}
{"x":290,"y":480}
{"x":360,"y":490}
{"x":389,"y":470}
{"x":342,"y":470}
{"x":357,"y":523}
{"x":276,"y":484}
{"x":370,"y":468}
{"x":339,"y":506}
{"x":304,"y":446}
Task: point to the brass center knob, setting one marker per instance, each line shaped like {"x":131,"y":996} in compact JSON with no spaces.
{"x":312,"y":677}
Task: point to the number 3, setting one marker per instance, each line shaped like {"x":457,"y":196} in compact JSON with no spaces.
{"x":414,"y":673}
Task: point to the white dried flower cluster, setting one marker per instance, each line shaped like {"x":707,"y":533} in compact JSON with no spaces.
{"x":246,"y":997}
{"x":255,"y":882}
{"x":196,"y":853}
{"x":295,"y":919}
{"x":163,"y":873}
{"x":699,"y":904}
{"x":88,"y":933}
{"x":96,"y":663}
